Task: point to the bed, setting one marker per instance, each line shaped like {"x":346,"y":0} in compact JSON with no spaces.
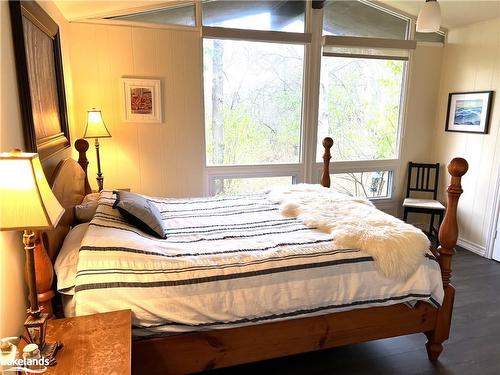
{"x":189,"y":315}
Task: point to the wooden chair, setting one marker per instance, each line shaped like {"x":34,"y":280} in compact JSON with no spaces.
{"x":425,"y":181}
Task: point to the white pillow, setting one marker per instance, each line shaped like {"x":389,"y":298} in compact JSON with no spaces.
{"x":67,"y":260}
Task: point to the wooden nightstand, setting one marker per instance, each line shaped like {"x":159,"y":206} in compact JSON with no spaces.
{"x":93,"y":344}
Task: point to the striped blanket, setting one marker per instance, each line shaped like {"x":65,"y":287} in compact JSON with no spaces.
{"x":229,"y":262}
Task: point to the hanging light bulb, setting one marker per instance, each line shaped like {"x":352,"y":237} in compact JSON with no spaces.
{"x":429,"y":18}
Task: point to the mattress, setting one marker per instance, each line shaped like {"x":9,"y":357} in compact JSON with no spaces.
{"x":229,"y":262}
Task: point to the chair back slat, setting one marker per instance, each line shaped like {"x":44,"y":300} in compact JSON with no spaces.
{"x":426,"y":179}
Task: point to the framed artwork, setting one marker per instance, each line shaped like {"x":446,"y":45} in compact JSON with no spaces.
{"x":37,"y":49}
{"x":142,"y":99}
{"x":469,"y":112}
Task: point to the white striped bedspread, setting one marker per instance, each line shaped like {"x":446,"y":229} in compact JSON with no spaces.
{"x":228,"y":262}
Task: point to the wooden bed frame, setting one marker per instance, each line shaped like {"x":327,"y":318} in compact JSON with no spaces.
{"x":199,"y":351}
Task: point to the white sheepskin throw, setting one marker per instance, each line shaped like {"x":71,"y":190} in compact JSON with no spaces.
{"x":396,"y":247}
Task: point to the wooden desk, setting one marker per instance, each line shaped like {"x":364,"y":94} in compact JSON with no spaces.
{"x":98,"y":344}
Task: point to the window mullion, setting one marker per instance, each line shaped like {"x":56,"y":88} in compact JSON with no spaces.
{"x":312,"y":67}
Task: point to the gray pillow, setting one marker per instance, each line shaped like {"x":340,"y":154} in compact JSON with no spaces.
{"x":141,"y":213}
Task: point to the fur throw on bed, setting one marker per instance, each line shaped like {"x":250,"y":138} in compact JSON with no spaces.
{"x":397,"y":247}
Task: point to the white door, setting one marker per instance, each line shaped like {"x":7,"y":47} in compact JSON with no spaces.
{"x":496,"y":244}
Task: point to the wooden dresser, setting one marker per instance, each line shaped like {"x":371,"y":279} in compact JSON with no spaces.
{"x":93,"y":344}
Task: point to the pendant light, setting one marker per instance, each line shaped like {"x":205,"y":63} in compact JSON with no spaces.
{"x":429,"y":18}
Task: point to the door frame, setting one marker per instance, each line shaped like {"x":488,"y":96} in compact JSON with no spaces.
{"x":495,"y":217}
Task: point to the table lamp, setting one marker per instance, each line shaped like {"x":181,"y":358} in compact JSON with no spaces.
{"x":27,"y":203}
{"x":96,"y":129}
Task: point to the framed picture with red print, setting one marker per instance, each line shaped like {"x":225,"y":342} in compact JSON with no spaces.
{"x":142,"y":100}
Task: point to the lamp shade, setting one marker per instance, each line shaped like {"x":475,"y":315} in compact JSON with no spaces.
{"x":429,"y":18}
{"x":26,"y":200}
{"x":95,"y":125}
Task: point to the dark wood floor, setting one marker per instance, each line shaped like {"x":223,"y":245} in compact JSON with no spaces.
{"x":473,"y":348}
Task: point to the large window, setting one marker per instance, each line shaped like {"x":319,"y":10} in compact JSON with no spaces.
{"x":359,"y":107}
{"x":253,"y":98}
{"x":259,"y":131}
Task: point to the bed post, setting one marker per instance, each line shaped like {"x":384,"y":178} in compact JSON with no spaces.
{"x":325,"y":176}
{"x":448,"y":235}
{"x":82,"y":146}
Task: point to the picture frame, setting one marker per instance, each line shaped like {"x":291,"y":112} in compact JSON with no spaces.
{"x":40,"y":78}
{"x":469,"y":112}
{"x":142,"y":100}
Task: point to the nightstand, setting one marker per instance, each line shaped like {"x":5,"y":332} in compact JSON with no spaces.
{"x":93,"y":344}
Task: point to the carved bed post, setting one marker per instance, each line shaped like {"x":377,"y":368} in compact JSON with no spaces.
{"x":82,"y":146}
{"x":325,"y":176}
{"x":448,"y":235}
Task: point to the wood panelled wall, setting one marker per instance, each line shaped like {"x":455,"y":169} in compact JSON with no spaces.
{"x":472,"y":62}
{"x":164,"y":159}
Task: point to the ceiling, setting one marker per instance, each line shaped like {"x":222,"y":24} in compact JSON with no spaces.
{"x":455,"y":13}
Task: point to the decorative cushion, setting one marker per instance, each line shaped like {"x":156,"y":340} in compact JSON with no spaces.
{"x":141,"y":213}
{"x":92,"y":197}
{"x":423,"y":203}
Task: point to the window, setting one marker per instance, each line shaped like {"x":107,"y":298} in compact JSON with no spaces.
{"x":356,"y":18}
{"x":253,"y":101}
{"x":174,"y":15}
{"x":372,"y":185}
{"x":359,"y":107}
{"x":255,"y":91}
{"x":267,"y":15}
{"x":233,"y":186}
{"x":430,"y":37}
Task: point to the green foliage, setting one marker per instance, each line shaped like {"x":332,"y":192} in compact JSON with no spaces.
{"x":262,"y":106}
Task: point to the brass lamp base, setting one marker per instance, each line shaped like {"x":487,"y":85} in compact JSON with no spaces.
{"x":36,"y":325}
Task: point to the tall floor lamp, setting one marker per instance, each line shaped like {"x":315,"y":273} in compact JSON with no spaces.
{"x":27,"y":203}
{"x":96,"y":129}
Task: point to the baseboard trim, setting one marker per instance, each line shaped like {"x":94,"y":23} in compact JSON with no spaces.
{"x":471,"y":246}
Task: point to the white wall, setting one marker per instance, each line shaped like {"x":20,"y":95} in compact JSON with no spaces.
{"x":12,"y":285}
{"x":471,"y":62}
{"x":164,"y":159}
{"x":421,"y":103}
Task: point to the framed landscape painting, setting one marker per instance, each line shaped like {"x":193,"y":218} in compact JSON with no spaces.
{"x":142,"y":98}
{"x":469,"y":112}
